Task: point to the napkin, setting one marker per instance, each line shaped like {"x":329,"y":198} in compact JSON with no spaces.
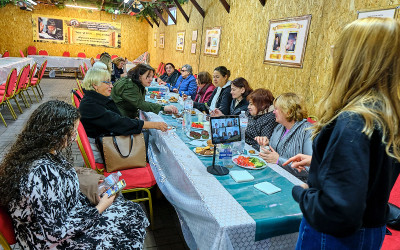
{"x":267,"y":187}
{"x":241,"y":175}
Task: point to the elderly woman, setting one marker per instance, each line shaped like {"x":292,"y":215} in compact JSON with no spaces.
{"x":105,"y":62}
{"x":261,"y":117}
{"x":221,"y":97}
{"x":186,"y":82}
{"x":291,"y":136}
{"x":129,"y":93}
{"x":100,"y":115}
{"x":40,"y":188}
{"x":204,"y":87}
{"x":117,"y":68}
{"x":240,"y":89}
{"x":170,"y":76}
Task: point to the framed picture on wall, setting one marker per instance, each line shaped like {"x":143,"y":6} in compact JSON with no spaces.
{"x":162,"y":40}
{"x":286,"y":41}
{"x":180,"y":40}
{"x":193,"y":50}
{"x":213,"y":39}
{"x":387,"y":12}
{"x":194,"y":35}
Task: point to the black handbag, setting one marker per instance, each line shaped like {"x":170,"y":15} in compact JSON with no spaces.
{"x":393,"y":218}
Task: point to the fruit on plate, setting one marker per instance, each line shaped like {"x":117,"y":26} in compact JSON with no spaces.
{"x":195,"y":135}
{"x":204,"y":150}
{"x":197,"y":125}
{"x":252,"y":151}
{"x":193,"y":112}
{"x":173,"y":99}
{"x":204,"y":134}
{"x":248,"y":161}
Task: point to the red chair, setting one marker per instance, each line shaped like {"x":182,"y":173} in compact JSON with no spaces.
{"x":29,"y":83}
{"x":7,"y":235}
{"x":35,"y":82}
{"x":76,"y":97}
{"x":21,"y":86}
{"x":8,"y":91}
{"x":81,"y":55}
{"x":32,"y":50}
{"x":21,"y":53}
{"x":6,"y":54}
{"x":85,"y":67}
{"x":79,"y":84}
{"x":92,"y":61}
{"x":113,"y":57}
{"x":137,"y":179}
{"x":43,"y":52}
{"x":312,"y":119}
{"x":66,"y":54}
{"x":83,"y":72}
{"x":98,"y":56}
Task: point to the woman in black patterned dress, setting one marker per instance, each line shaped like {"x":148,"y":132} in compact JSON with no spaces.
{"x":41,"y":190}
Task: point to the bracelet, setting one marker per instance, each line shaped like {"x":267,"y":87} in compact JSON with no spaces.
{"x":277,"y":162}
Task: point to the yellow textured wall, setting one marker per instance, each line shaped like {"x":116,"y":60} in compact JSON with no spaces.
{"x":16,"y":29}
{"x":243,"y":38}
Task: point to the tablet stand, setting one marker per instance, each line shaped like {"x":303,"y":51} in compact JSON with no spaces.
{"x":217,"y":169}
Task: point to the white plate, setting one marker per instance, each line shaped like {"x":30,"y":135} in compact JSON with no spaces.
{"x":194,"y":150}
{"x":201,"y":139}
{"x":162,"y":112}
{"x":198,"y":143}
{"x":252,"y":168}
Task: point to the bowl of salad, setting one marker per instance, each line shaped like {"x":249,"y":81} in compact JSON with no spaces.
{"x":249,"y":162}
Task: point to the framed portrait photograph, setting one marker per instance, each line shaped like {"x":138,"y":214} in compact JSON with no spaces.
{"x":180,"y":40}
{"x":162,"y":40}
{"x":286,"y":41}
{"x":213,"y":39}
{"x":388,"y":12}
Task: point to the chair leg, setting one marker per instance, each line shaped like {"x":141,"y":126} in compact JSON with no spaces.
{"x":27,"y":92}
{"x":2,"y":118}
{"x":16,"y":102}
{"x":40,"y":88}
{"x":37,"y":89}
{"x":33,"y":90}
{"x":150,"y":209}
{"x":14,"y":115}
{"x":22,"y":96}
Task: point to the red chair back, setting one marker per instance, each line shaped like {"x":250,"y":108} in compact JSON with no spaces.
{"x":21,"y":53}
{"x":98,"y":56}
{"x":42,"y":69}
{"x":43,"y":52}
{"x":32,"y":50}
{"x":85,"y":66}
{"x":31,"y":74}
{"x":113,"y":57}
{"x":66,"y":54}
{"x":159,"y":68}
{"x":23,"y":78}
{"x":6,"y":227}
{"x":84,"y":146}
{"x":81,"y":55}
{"x":11,"y":83}
{"x":82,"y":71}
{"x":6,"y":54}
{"x":76,"y":97}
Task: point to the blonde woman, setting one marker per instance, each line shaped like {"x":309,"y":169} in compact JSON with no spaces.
{"x":99,"y":114}
{"x":290,"y":136}
{"x":356,"y":142}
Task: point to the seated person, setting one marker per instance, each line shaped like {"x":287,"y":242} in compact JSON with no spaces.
{"x":186,"y":83}
{"x":105,"y":62}
{"x":221,"y":97}
{"x":118,"y":65}
{"x":291,"y":136}
{"x":129,"y":93}
{"x":100,"y":115}
{"x":40,"y":188}
{"x":261,"y":117}
{"x":170,"y":76}
{"x":205,"y":87}
{"x":224,"y":136}
{"x":240,"y":89}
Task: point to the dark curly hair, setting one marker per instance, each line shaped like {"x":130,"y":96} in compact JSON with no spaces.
{"x":50,"y":127}
{"x":135,"y":73}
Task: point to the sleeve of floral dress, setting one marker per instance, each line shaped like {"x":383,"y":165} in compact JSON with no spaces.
{"x":58,"y":206}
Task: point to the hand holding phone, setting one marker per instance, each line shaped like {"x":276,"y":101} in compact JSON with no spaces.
{"x":115,"y":188}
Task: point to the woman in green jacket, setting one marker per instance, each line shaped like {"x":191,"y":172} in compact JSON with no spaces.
{"x":129,"y":93}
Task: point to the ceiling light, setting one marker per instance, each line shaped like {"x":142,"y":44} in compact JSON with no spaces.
{"x":32,"y":2}
{"x":81,"y":7}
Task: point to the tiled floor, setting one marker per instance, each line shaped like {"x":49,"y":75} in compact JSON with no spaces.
{"x":166,"y":233}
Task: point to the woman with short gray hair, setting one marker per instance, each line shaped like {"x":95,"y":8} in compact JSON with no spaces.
{"x":186,"y":83}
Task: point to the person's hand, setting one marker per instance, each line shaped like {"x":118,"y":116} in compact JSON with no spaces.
{"x":270,"y":156}
{"x":161,"y":126}
{"x":105,"y":202}
{"x":171,"y":108}
{"x":216,"y":113}
{"x":299,"y":162}
{"x":162,"y":83}
{"x":304,"y":185}
{"x":175,"y":90}
{"x":262,"y":140}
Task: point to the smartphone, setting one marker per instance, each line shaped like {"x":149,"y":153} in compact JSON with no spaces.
{"x":115,"y":188}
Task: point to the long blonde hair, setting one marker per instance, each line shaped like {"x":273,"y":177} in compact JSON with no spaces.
{"x":366,"y":78}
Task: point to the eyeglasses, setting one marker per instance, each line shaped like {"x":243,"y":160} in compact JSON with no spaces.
{"x":183,"y":70}
{"x":107,"y":82}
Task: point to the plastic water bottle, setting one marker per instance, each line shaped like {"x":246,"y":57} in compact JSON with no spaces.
{"x":108,"y":182}
{"x":188,"y":104}
{"x":187,"y":121}
{"x":243,"y":125}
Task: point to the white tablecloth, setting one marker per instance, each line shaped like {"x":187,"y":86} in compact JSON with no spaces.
{"x":210,"y":217}
{"x":8,"y":63}
{"x":61,"y":61}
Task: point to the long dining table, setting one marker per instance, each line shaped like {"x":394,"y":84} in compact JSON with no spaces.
{"x":60,"y":61}
{"x":215,"y":212}
{"x":9,"y":63}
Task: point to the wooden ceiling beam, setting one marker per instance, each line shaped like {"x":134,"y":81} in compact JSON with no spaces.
{"x":160,"y":16}
{"x":263,"y":2}
{"x":181,"y":10}
{"x":226,"y":5}
{"x":168,"y":12}
{"x":199,"y":9}
{"x":155,"y":21}
{"x":148,"y":21}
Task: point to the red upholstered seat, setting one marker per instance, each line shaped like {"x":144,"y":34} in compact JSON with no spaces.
{"x":98,"y":56}
{"x":6,"y":54}
{"x":66,"y":54}
{"x":137,"y":177}
{"x":43,"y":52}
{"x":32,"y":50}
{"x":6,"y":227}
{"x":113,"y":57}
{"x":81,"y":55}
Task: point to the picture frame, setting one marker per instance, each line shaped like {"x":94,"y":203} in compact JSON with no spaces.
{"x":194,"y":35}
{"x":193,"y":49}
{"x":180,"y":41}
{"x":390,"y":12}
{"x":213,"y":40}
{"x":286,"y":41}
{"x":162,"y":40}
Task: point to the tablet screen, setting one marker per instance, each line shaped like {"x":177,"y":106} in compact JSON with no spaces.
{"x":225,"y":129}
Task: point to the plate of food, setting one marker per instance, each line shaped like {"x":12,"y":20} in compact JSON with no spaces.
{"x":203,"y":136}
{"x":162,"y":101}
{"x":249,"y":162}
{"x":173,"y":99}
{"x":166,"y":112}
{"x":176,"y":116}
{"x":207,"y":151}
{"x":198,"y":125}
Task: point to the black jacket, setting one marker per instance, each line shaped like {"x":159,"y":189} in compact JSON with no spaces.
{"x":172,"y":78}
{"x":242,"y":106}
{"x":100,"y":116}
{"x":116,"y":73}
{"x":350,"y":179}
{"x":223,"y":102}
{"x":259,"y":125}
